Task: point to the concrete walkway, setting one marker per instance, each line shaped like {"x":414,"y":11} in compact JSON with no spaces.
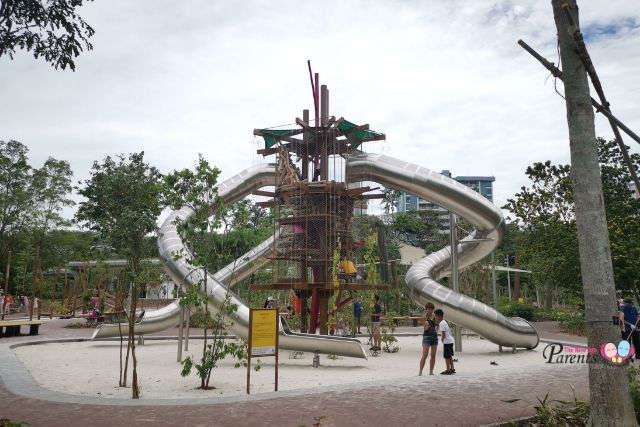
{"x":420,"y":401}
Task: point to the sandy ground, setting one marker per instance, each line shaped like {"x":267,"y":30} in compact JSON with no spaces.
{"x":91,"y":368}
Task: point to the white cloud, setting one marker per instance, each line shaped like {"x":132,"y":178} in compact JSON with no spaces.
{"x":445,"y":81}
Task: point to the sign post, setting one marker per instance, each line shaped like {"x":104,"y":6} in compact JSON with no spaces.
{"x":263,"y":339}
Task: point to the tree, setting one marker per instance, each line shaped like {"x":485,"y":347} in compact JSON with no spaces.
{"x":50,"y":187}
{"x":123,"y":201}
{"x":608,"y":384}
{"x":15,"y":180}
{"x":50,"y":28}
{"x":15,"y":200}
{"x":390,"y":200}
{"x":219,"y":348}
{"x":419,"y":228}
{"x":545,"y":214}
{"x":210,"y":250}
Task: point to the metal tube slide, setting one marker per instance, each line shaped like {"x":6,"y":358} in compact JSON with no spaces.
{"x":170,"y":243}
{"x":423,"y":275}
{"x":169,"y":315}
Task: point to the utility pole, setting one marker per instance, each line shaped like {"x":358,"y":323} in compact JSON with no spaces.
{"x":608,"y":384}
{"x":494,"y":287}
{"x":453,"y":240}
{"x":508,"y":276}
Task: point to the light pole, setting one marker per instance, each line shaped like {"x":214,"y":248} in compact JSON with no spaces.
{"x":506,"y":258}
{"x":493,"y":281}
{"x":188,"y":317}
{"x":453,"y":240}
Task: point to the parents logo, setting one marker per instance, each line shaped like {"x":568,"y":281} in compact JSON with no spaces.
{"x":610,"y":352}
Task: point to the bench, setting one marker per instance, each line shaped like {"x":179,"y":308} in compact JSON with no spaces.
{"x":12,"y":327}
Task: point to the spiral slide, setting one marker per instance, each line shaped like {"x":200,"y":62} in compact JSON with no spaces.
{"x":170,"y":244}
{"x":421,"y":278}
{"x":423,"y":275}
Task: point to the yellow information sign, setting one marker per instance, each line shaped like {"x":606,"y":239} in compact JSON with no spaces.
{"x":264,"y":332}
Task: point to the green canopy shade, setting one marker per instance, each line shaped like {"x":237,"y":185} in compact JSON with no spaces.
{"x":271,"y":135}
{"x":358,"y":136}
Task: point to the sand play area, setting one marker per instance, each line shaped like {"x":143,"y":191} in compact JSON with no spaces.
{"x":91,"y":368}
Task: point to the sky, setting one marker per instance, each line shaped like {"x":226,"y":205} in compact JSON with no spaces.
{"x":445,"y":81}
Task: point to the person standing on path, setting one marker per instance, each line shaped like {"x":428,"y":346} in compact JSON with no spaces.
{"x":447,"y":342}
{"x":429,"y":339}
{"x":630,"y":332}
{"x":375,"y":323}
{"x":357,"y":312}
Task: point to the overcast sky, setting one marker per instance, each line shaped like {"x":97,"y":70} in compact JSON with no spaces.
{"x":444,"y":80}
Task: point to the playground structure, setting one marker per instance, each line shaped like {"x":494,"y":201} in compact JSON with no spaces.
{"x":313,"y":230}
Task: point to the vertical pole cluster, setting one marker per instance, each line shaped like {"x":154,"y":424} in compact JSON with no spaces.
{"x":455,"y":282}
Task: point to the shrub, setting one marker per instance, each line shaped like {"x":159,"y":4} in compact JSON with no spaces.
{"x":634,"y":388}
{"x":577,"y":412}
{"x":560,"y":413}
{"x":56,"y":307}
{"x":557,"y":314}
{"x":572,"y":322}
{"x":388,"y":343}
{"x":515,"y":309}
{"x":5,"y":422}
{"x":78,"y":325}
{"x":199,"y":319}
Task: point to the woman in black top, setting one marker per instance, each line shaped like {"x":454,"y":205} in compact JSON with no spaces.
{"x":429,"y":339}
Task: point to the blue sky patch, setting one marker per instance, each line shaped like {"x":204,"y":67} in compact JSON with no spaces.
{"x":597,"y":31}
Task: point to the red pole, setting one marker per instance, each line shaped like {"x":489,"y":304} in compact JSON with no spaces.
{"x":313,"y":88}
{"x":317,"y":99}
{"x":315,"y":309}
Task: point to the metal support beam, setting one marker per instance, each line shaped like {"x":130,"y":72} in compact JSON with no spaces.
{"x":180,"y":332}
{"x":508,"y":278}
{"x":493,"y":281}
{"x":305,"y":138}
{"x":453,"y":241}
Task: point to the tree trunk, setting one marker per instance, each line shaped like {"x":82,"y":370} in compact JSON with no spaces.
{"x":6,"y":283}
{"x":126,"y":358}
{"x":516,"y":277}
{"x":126,"y":362}
{"x":120,"y":384}
{"x":206,"y":319}
{"x":39,"y":280}
{"x":135,"y":391}
{"x":608,"y":385}
{"x":548,"y":296}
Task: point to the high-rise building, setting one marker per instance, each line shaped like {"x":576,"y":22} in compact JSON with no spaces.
{"x":481,"y":184}
{"x":634,"y":190}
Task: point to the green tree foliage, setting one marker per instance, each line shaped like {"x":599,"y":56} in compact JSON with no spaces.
{"x":31,"y":204}
{"x":545,"y":213}
{"x":123,"y":201}
{"x":215,"y":236}
{"x":390,"y":200}
{"x":219,"y":348}
{"x":196,"y":189}
{"x":50,"y":189}
{"x":15,"y":181}
{"x":51,"y":29}
{"x":419,"y":228}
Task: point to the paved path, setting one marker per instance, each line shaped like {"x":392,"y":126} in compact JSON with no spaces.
{"x":438,"y":400}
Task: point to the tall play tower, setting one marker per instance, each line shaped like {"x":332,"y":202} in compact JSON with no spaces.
{"x":313,"y":253}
